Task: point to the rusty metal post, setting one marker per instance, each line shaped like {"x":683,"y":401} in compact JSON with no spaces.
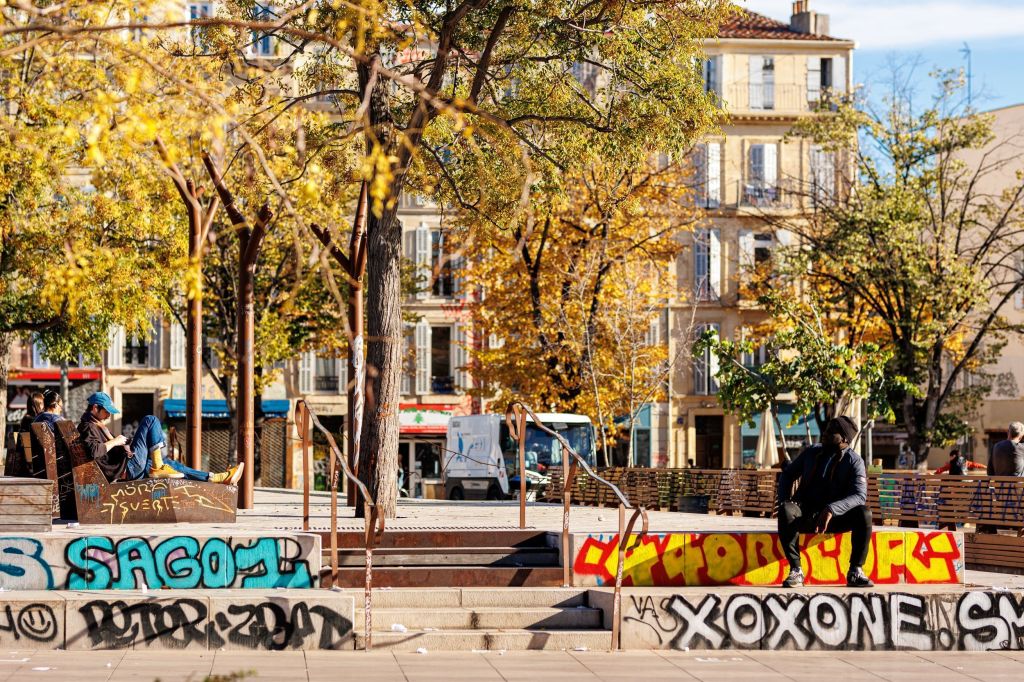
{"x":305,"y":431}
{"x":369,"y":518}
{"x":617,"y":597}
{"x":194,"y":357}
{"x":521,"y":418}
{"x":567,"y":486}
{"x":333,"y":481}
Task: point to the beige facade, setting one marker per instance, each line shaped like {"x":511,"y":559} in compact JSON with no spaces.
{"x":1005,"y":402}
{"x":768,"y":75}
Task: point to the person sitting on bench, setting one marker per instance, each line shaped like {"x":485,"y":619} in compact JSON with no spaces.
{"x":53,"y":410}
{"x":832,"y":498}
{"x":142,"y":459}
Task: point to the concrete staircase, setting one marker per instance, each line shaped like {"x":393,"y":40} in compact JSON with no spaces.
{"x":467,"y":558}
{"x":466,"y":619}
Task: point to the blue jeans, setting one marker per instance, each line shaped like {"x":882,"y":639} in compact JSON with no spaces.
{"x":149,"y":437}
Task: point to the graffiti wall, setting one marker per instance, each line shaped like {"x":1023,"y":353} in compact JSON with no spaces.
{"x":918,"y":557}
{"x":99,"y":562}
{"x":288,"y":620}
{"x":689,"y":619}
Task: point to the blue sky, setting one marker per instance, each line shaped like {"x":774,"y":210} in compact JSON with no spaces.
{"x":932,"y":31}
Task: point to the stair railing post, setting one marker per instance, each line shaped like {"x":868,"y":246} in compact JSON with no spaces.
{"x":617,"y":597}
{"x":305,"y":433}
{"x":369,"y":517}
{"x":567,"y":485}
{"x":332,"y":478}
{"x":521,"y":418}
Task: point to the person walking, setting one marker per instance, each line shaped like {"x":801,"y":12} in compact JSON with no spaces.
{"x":831,"y":498}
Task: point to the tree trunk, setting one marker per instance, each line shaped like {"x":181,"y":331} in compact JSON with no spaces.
{"x":244,"y":403}
{"x":6,"y":341}
{"x":378,"y":458}
{"x":64,"y":382}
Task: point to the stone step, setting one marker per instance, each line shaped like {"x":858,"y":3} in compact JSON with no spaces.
{"x":449,"y":556}
{"x":447,"y":576}
{"x":469,"y":597}
{"x":483,"y":618}
{"x":433,"y":538}
{"x":490,"y":640}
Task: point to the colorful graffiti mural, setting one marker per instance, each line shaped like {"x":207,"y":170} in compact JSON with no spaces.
{"x":668,"y":559}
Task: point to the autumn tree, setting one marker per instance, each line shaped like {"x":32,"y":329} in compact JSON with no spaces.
{"x":572,"y":286}
{"x":804,"y":361}
{"x":418,"y":90}
{"x":86,"y":241}
{"x":922,"y":252}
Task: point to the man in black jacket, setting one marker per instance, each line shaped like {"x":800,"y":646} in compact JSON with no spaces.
{"x":831,"y":498}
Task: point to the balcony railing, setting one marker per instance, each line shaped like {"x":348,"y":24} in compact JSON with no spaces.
{"x":761,"y":194}
{"x":780,"y":97}
{"x":328,"y":382}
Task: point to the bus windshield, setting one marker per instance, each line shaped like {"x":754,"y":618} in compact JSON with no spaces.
{"x":544,"y":450}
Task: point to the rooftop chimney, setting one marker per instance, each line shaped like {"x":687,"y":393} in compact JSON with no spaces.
{"x":803,"y":20}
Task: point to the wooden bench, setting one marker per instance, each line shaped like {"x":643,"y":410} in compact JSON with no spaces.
{"x":910,"y":499}
{"x":26,"y":504}
{"x":93,"y":499}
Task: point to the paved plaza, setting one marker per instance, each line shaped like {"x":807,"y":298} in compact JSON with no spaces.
{"x":512,"y":666}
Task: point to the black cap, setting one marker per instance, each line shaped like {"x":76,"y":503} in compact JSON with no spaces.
{"x":844,"y":426}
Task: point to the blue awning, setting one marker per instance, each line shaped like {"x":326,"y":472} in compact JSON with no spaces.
{"x":174,"y":408}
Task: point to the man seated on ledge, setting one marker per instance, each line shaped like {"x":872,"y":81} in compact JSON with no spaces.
{"x":832,"y":498}
{"x":141,"y":459}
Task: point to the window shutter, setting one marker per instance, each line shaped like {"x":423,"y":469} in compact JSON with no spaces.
{"x":755,"y":174}
{"x":756,"y":82}
{"x":714,"y":263}
{"x":154,"y":347}
{"x":813,"y":79}
{"x":342,"y":368}
{"x":406,"y":388}
{"x":839,"y":74}
{"x":712,"y":361}
{"x":460,"y":356}
{"x":771,"y":164}
{"x":307,"y":361}
{"x":115,"y":354}
{"x":700,"y":367}
{"x":713,"y":174}
{"x":700,"y":263}
{"x":38,"y":361}
{"x":654,"y":332}
{"x":713,"y":75}
{"x":746,"y":241}
{"x":177,"y":345}
{"x":495,"y":342}
{"x":422,"y":357}
{"x":423,"y":261}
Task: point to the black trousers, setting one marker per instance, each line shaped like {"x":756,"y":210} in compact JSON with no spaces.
{"x":793,"y":520}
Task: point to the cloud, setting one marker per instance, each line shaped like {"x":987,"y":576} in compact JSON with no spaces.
{"x":896,"y":24}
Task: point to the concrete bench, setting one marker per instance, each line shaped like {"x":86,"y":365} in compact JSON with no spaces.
{"x":84,"y":493}
{"x":756,"y":558}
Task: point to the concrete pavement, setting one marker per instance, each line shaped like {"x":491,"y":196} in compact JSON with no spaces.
{"x":522,"y":666}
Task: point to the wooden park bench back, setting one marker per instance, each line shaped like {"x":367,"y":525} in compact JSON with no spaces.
{"x":913,"y":498}
{"x":50,"y":462}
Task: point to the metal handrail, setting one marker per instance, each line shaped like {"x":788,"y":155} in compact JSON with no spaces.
{"x":517,"y":429}
{"x":373,"y":521}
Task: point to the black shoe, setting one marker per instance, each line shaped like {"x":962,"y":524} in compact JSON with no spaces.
{"x":794,"y":579}
{"x":856,"y":578}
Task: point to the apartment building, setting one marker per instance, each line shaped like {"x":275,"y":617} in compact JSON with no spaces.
{"x":768,"y":74}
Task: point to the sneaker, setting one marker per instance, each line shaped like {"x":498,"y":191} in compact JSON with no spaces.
{"x":230,"y":477}
{"x":794,"y":579}
{"x":164,"y":471}
{"x":856,"y":578}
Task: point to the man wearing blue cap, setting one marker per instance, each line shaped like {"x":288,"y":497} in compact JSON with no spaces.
{"x":143,"y":457}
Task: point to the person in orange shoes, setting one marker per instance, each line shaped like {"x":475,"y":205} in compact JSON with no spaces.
{"x":142,"y":458}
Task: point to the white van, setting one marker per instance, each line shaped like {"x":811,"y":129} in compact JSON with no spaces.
{"x":481,"y":460}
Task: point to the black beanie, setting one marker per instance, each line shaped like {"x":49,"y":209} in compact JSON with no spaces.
{"x":843,"y":425}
